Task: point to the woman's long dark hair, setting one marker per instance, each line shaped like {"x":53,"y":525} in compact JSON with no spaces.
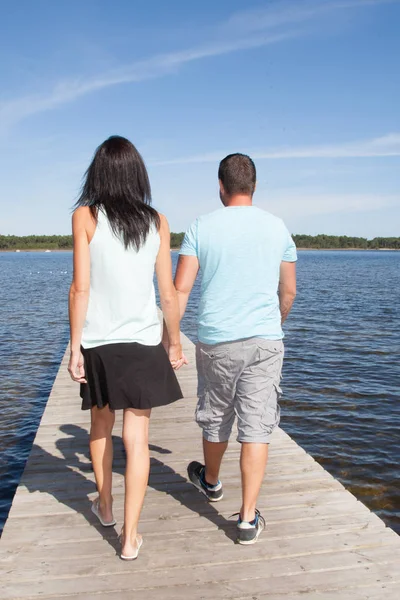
{"x":117,"y":183}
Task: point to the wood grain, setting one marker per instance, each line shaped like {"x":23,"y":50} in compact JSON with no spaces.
{"x":320,"y":543}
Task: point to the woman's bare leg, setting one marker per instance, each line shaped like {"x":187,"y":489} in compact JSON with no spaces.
{"x":101,"y":451}
{"x":136,"y":441}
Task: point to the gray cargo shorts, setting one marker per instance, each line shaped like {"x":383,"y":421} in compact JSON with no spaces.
{"x":239,"y":378}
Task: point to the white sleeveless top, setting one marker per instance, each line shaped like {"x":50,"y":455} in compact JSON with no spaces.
{"x":122,"y":303}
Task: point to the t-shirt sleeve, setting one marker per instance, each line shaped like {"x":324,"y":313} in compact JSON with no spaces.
{"x":190,"y":241}
{"x":290,"y":252}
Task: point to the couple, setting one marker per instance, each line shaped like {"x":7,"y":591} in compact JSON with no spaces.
{"x":118,"y":352}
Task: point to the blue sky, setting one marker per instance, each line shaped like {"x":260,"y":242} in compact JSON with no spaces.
{"x":310,"y":89}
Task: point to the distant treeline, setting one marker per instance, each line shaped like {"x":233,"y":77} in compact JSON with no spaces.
{"x":327,"y":242}
{"x":322,"y":242}
{"x":55,"y":242}
{"x":177,"y":239}
{"x":35,"y":242}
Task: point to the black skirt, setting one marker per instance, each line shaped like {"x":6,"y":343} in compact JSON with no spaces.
{"x":128,"y":375}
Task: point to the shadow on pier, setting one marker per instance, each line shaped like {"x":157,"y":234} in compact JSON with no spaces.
{"x":65,"y":479}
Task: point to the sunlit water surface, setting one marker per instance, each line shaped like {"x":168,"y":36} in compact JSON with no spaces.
{"x":341,"y":375}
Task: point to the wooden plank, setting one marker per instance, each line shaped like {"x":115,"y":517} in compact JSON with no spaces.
{"x":60,"y":565}
{"x":154,"y":505}
{"x":368,"y":591}
{"x":143,"y":577}
{"x":320,"y":541}
{"x":197,"y":518}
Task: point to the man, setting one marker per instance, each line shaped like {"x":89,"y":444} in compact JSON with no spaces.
{"x":247,"y":260}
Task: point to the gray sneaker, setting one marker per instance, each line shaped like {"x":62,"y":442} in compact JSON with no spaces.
{"x":196,"y":470}
{"x":248,"y":532}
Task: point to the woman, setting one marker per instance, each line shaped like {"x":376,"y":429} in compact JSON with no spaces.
{"x":116,"y":350}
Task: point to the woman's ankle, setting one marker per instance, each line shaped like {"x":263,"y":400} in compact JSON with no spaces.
{"x":105,"y":502}
{"x":130,"y":537}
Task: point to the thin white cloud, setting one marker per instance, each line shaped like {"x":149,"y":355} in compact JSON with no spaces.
{"x":244,"y":30}
{"x":285,"y":12}
{"x":154,"y":67}
{"x":290,"y":204}
{"x":387,"y":145}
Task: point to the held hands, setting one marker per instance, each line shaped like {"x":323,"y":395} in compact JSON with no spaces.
{"x":76,"y":367}
{"x":176,"y":356}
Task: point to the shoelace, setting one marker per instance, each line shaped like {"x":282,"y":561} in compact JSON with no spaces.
{"x":258,"y":516}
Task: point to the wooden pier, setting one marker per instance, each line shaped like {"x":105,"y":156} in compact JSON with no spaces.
{"x":320,"y":542}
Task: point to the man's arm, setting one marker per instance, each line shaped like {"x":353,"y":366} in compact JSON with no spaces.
{"x":287,"y":288}
{"x":185,"y":276}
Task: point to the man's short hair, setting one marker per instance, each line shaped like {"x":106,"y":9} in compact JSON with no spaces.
{"x":237,"y":173}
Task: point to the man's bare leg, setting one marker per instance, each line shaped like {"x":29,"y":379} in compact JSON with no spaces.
{"x":253,"y":462}
{"x":213,"y":454}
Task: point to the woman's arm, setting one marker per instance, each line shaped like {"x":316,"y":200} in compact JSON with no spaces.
{"x":168,"y":295}
{"x":79,"y":292}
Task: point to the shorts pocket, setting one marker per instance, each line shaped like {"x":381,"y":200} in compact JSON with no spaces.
{"x":203,"y":413}
{"x":278,"y":408}
{"x":269,"y":358}
{"x":272,"y":413}
{"x":214,"y":365}
{"x":270,"y":347}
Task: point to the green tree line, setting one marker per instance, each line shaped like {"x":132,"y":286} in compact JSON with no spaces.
{"x":35,"y":242}
{"x":321,"y":242}
{"x":55,"y":242}
{"x":328,"y":242}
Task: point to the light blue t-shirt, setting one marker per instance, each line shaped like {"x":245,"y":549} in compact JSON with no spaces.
{"x":240,"y":249}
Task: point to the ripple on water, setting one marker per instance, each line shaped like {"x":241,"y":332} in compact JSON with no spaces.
{"x":341,"y":375}
{"x":33,"y":336}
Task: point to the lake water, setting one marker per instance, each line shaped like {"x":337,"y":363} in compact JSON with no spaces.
{"x":341,"y":375}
